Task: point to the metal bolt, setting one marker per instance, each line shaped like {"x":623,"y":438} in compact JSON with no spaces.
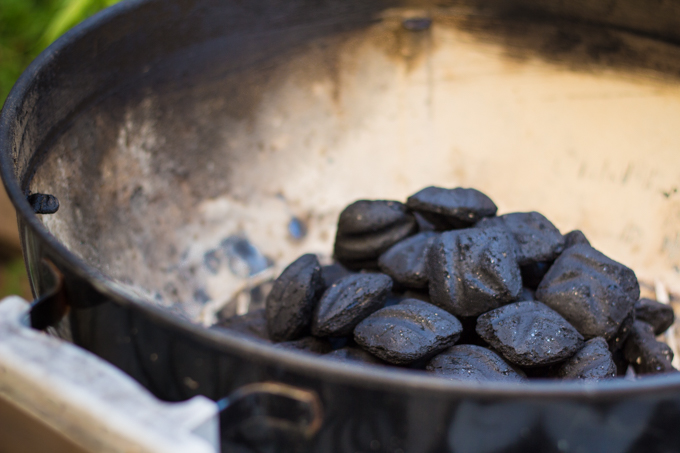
{"x":43,"y":203}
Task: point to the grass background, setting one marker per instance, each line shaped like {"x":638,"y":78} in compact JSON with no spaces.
{"x":27,"y":27}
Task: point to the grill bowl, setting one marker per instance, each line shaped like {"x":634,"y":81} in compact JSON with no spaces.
{"x":169,"y":128}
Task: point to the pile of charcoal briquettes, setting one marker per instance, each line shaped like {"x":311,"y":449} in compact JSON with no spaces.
{"x":443,"y":284}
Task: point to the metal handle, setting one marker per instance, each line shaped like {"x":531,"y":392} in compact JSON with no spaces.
{"x":281,"y":407}
{"x":254,"y":415}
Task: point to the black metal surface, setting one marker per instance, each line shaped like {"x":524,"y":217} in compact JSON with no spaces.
{"x":53,"y":305}
{"x":365,"y":409}
{"x":270,"y":417}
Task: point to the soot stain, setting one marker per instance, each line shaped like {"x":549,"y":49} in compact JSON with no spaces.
{"x":576,"y":45}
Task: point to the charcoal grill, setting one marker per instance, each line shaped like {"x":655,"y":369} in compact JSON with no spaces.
{"x":198,"y":146}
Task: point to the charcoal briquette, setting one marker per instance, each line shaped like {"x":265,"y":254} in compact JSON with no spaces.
{"x":593,"y":362}
{"x":448,"y":209}
{"x":307,"y":344}
{"x":472,"y":271}
{"x":395,"y":297}
{"x":468,"y":362}
{"x":423,"y":224}
{"x":658,"y":315}
{"x":594,"y":293}
{"x":529,"y":334}
{"x":366,"y":229}
{"x":333,"y":272}
{"x":408,"y":331}
{"x":252,"y":324}
{"x":575,"y":237}
{"x":351,"y":354}
{"x":406,"y":261}
{"x":291,"y":302}
{"x":348,"y":301}
{"x":536,"y":238}
{"x":645,"y":353}
{"x":619,"y":339}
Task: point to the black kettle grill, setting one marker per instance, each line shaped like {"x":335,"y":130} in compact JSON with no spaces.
{"x":170,"y":130}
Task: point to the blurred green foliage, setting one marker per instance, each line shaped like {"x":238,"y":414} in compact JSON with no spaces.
{"x":28,"y":26}
{"x":14,"y":280}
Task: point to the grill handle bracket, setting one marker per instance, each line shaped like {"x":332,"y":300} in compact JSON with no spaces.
{"x":270,"y":414}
